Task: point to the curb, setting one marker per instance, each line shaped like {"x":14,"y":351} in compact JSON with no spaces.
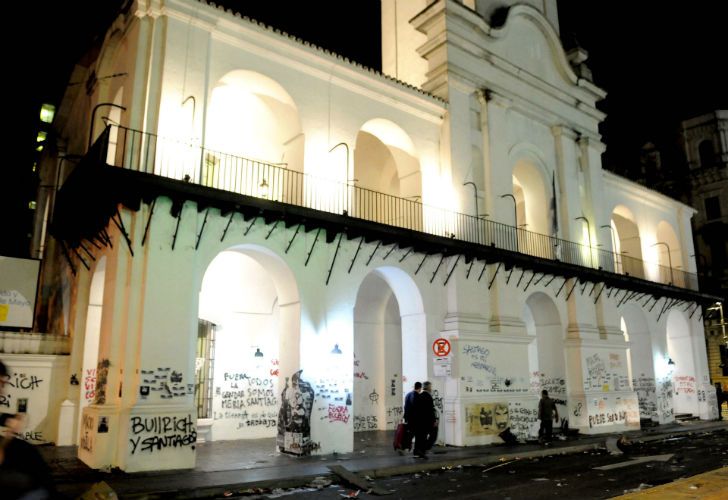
{"x":396,"y":470}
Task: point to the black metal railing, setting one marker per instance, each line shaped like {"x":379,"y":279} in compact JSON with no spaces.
{"x":145,"y":152}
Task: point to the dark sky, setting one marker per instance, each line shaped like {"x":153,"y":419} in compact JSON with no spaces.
{"x":660,"y":62}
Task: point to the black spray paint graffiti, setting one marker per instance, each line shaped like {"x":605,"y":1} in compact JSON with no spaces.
{"x":87,"y":433}
{"x":23,"y":381}
{"x":150,"y":434}
{"x":646,"y":390}
{"x":478,"y":358}
{"x":164,"y":382}
{"x":102,"y":376}
{"x":294,"y":416}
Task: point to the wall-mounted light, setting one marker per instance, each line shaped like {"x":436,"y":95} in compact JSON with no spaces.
{"x":336,"y":349}
{"x":670,"y":361}
{"x":264,"y":189}
{"x":258,"y":354}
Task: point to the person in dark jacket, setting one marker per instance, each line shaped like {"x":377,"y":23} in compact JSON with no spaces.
{"x":409,"y":402}
{"x":23,"y":472}
{"x":424,"y":420}
{"x":547,"y":414}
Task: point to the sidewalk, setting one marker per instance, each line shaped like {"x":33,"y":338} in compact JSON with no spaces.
{"x":238,"y":465}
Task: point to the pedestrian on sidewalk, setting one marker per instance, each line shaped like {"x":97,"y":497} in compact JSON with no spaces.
{"x":409,"y":402}
{"x":720,"y":396}
{"x":547,"y":414}
{"x":23,"y":472}
{"x":424,"y":420}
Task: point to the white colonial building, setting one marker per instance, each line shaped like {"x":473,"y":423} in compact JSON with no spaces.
{"x":267,"y":240}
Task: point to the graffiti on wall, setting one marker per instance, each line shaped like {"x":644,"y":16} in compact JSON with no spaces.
{"x":485,"y":419}
{"x":477,"y":356}
{"x":89,"y":384}
{"x":102,"y":376}
{"x":665,"y":408}
{"x":154,"y":434}
{"x":523,"y":419}
{"x":87,"y":433}
{"x":684,"y":385}
{"x":294,"y":416}
{"x":165,"y":383}
{"x":646,"y":391}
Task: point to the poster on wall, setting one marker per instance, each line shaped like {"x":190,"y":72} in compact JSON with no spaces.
{"x":485,"y":419}
{"x":294,"y":416}
{"x":18,"y":286}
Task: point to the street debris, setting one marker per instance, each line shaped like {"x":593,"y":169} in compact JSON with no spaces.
{"x":350,"y":494}
{"x":320,"y":482}
{"x":642,"y":486}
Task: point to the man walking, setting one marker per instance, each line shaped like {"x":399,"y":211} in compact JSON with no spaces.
{"x":409,"y":402}
{"x":547,"y":414}
{"x":423,"y":419}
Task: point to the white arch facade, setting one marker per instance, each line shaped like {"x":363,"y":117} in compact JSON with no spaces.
{"x":511,"y":331}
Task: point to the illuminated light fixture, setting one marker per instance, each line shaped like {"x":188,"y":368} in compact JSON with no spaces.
{"x":47,"y":112}
{"x":336,"y":349}
{"x":258,"y":354}
{"x":32,"y":205}
{"x":39,"y":148}
{"x":42,"y":136}
{"x":264,"y":189}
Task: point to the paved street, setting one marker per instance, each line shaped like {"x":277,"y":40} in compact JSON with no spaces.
{"x":565,"y":476}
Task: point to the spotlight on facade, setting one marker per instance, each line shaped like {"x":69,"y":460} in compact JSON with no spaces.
{"x":258,"y":354}
{"x":336,"y":349}
{"x":670,"y":361}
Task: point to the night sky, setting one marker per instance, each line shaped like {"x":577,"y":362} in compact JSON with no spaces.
{"x":660,"y":63}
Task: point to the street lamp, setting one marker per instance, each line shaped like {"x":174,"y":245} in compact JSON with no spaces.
{"x":719,"y":307}
{"x":93,"y":117}
{"x":588,"y":234}
{"x":669,"y":258}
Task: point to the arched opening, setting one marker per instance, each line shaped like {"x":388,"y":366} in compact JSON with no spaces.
{"x":668,"y":255}
{"x":253,"y":138}
{"x":386,"y":168}
{"x":87,"y":389}
{"x":529,"y":189}
{"x":546,"y":351}
{"x":706,"y":153}
{"x":390,"y":343}
{"x":248,"y":335}
{"x":680,"y":363}
{"x":627,"y":243}
{"x":640,"y":362}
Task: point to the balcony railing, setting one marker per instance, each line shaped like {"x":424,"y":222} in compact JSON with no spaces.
{"x":149,"y":153}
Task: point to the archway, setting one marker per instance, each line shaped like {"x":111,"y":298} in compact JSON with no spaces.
{"x":87,"y":390}
{"x":529,"y":190}
{"x":669,"y":255}
{"x":546,"y":351}
{"x":249,"y":333}
{"x":390,"y":343}
{"x":627,"y":242}
{"x":640,"y":362}
{"x":253,"y":138}
{"x":387,"y":169}
{"x":681,"y":363}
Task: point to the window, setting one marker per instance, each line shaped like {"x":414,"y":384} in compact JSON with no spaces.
{"x":706,"y":153}
{"x":712,"y":208}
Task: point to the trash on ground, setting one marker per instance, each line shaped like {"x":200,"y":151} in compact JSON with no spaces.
{"x":351,"y":494}
{"x":642,"y":486}
{"x":320,"y":482}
